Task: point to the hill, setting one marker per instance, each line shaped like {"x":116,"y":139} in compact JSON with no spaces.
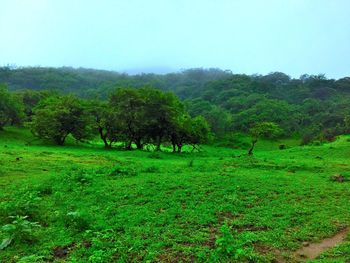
{"x":314,"y":107}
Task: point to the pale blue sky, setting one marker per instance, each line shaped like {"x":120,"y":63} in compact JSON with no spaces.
{"x":248,"y":36}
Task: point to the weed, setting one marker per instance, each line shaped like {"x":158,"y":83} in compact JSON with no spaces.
{"x":77,"y":221}
{"x":20,"y":230}
{"x":122,"y":171}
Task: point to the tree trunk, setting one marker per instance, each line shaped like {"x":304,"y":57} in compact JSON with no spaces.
{"x":128,"y":147}
{"x":103,"y":137}
{"x":159,"y":143}
{"x":139,"y":144}
{"x":60,"y":140}
{"x":250,"y":152}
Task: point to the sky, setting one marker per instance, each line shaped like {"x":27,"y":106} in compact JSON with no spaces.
{"x":248,"y":36}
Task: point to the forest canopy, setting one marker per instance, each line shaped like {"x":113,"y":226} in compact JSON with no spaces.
{"x":312,"y":106}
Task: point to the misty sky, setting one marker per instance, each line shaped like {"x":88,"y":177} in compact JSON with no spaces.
{"x":257,"y":36}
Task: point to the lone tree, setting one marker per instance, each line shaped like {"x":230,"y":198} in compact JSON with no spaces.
{"x":268,"y":130}
{"x":11,"y":110}
{"x":57,"y":117}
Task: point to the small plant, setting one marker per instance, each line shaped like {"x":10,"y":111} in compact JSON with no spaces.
{"x":77,"y":220}
{"x":230,"y":245}
{"x":190,"y":164}
{"x":122,"y":171}
{"x":45,"y":189}
{"x":79,"y":175}
{"x":20,"y":229}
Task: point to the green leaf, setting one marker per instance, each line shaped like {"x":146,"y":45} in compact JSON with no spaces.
{"x":5,"y":243}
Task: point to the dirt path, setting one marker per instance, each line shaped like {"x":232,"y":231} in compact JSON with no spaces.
{"x":313,"y":250}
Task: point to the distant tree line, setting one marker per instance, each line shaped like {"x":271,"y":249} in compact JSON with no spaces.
{"x":312,"y":107}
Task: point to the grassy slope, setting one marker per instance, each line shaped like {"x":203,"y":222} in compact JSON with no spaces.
{"x":107,"y":206}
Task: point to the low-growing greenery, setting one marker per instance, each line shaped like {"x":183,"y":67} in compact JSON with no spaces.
{"x":82,"y":203}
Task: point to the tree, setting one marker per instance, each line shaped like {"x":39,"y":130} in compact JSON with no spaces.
{"x":106,"y":122}
{"x":57,"y":117}
{"x":199,"y":131}
{"x":189,"y":130}
{"x":162,"y":114}
{"x":129,"y":105}
{"x":268,"y":130}
{"x":347,"y":124}
{"x":31,"y":98}
{"x":11,"y":110}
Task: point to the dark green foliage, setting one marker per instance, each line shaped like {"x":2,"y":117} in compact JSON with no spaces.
{"x":11,"y":110}
{"x":57,"y":117}
{"x":229,"y":102}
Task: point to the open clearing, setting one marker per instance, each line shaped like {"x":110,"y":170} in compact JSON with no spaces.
{"x":96,"y":205}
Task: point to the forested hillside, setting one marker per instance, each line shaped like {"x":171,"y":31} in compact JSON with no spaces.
{"x":313,"y":107}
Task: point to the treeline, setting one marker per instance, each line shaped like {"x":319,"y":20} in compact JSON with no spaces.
{"x":132,"y":116}
{"x":312,"y":107}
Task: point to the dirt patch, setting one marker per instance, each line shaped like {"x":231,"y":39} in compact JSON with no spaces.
{"x":312,"y":251}
{"x":62,"y":252}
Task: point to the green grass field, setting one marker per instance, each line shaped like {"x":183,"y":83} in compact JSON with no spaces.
{"x":218,"y":205}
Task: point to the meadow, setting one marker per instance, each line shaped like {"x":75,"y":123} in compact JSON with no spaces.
{"x":83,"y":203}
